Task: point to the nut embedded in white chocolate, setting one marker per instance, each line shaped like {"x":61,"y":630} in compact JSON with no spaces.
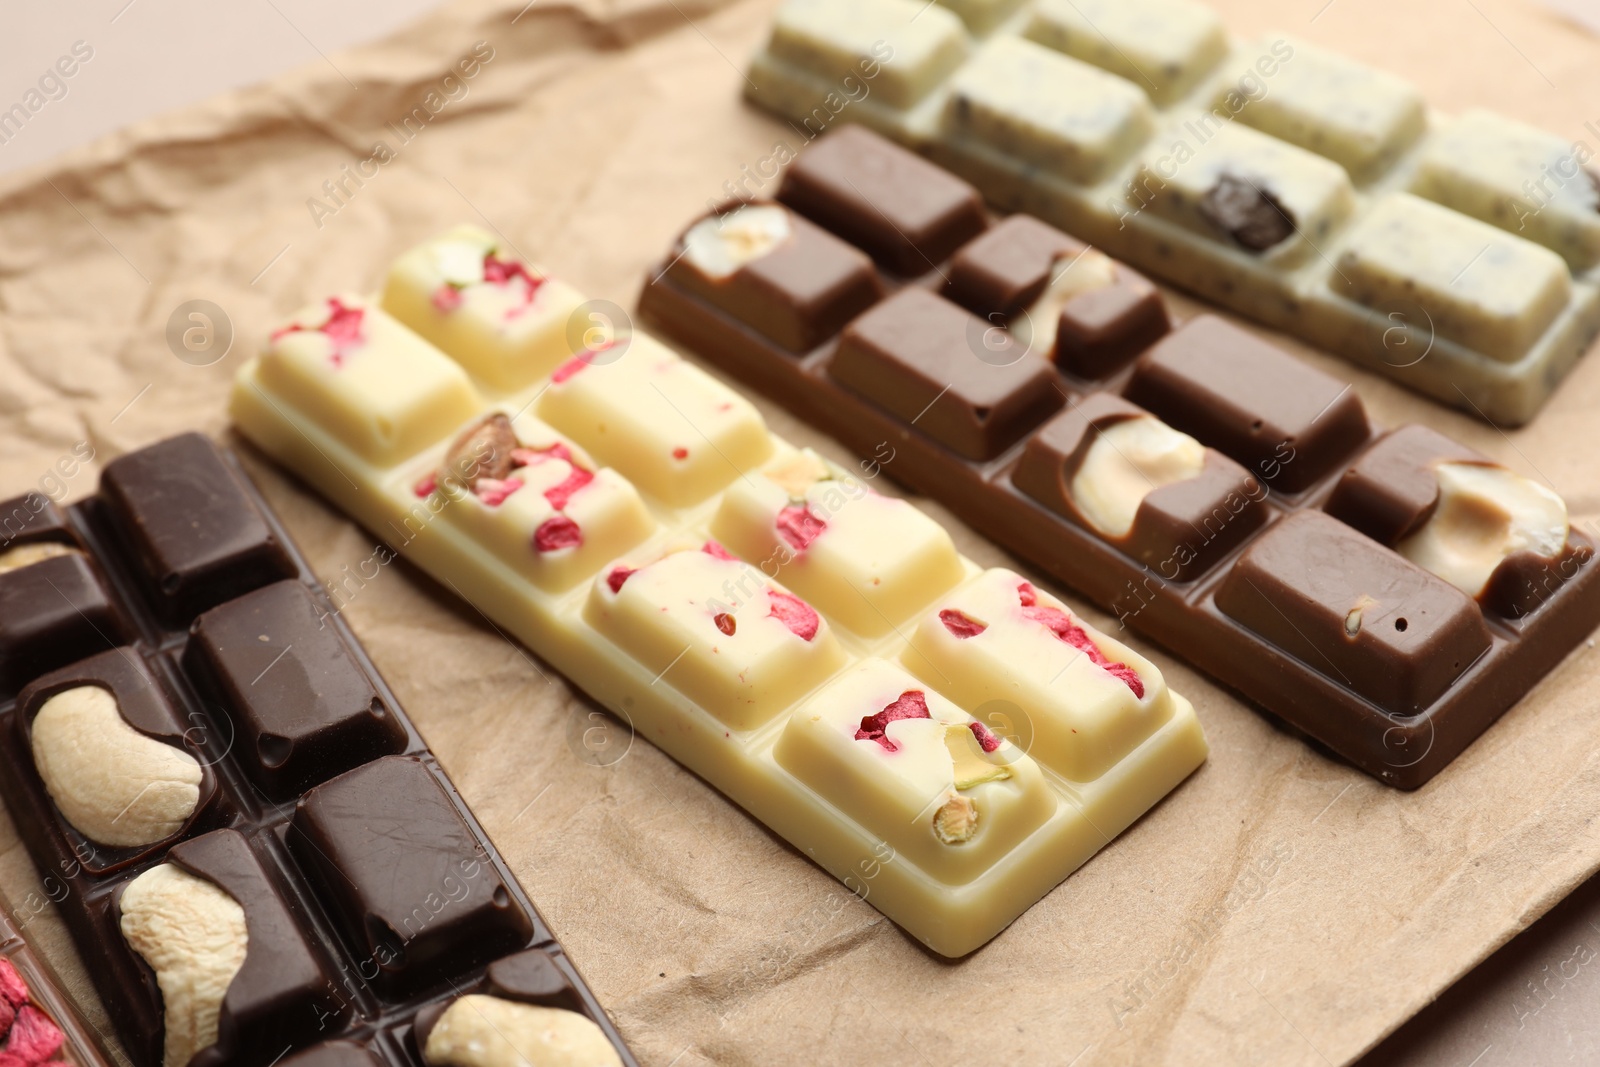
{"x":1483,"y":515}
{"x":1127,"y":462}
{"x":112,"y":783}
{"x":719,"y":245}
{"x":194,"y":936}
{"x":484,"y":1031}
{"x":27,"y":555}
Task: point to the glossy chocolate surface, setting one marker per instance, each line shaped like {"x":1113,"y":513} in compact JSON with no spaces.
{"x":1213,"y":566}
{"x":904,"y":212}
{"x":268,"y":689}
{"x":304,"y":710}
{"x":411,"y":885}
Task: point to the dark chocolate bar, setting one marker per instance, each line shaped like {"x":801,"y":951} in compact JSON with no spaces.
{"x":1389,"y":594}
{"x":268,"y":786}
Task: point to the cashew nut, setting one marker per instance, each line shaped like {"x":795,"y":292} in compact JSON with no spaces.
{"x":193,"y":935}
{"x":482,"y":1031}
{"x":113,"y":784}
{"x":27,"y":555}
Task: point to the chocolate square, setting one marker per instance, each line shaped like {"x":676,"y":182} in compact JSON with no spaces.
{"x":192,"y":530}
{"x":1288,"y":423}
{"x":52,"y":613}
{"x":797,"y":295}
{"x":31,"y":518}
{"x":144,"y":704}
{"x":1392,"y":490}
{"x":283,"y":995}
{"x":1364,"y":617}
{"x":946,"y":372}
{"x":413,"y":893}
{"x":1180,"y":529}
{"x":903,"y":211}
{"x":999,"y":275}
{"x":300,"y":708}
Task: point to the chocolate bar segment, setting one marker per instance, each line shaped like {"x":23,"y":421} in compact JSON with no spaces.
{"x":292,"y":695}
{"x":153,"y":785}
{"x":1288,"y":423}
{"x":1342,"y":604}
{"x":916,"y":355}
{"x":195,"y":534}
{"x":906,"y":213}
{"x":708,"y":650}
{"x":1181,"y":527}
{"x":1167,"y":499}
{"x":410,"y":883}
{"x":1459,"y":257}
{"x":789,"y":280}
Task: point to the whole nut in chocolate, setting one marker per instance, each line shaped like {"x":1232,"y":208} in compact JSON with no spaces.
{"x":484,"y":1031}
{"x":193,"y":935}
{"x":113,"y":784}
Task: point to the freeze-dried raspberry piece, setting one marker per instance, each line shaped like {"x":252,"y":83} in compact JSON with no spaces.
{"x":8,"y":1015}
{"x":796,"y":614}
{"x":493,"y":492}
{"x":33,"y":1038}
{"x":12,"y":986}
{"x":961,"y":624}
{"x":715,"y":550}
{"x":569,"y":368}
{"x":557,"y":533}
{"x":986,"y":740}
{"x":799,"y":527}
{"x":561,"y":495}
{"x":1058,"y":623}
{"x":343,"y":328}
{"x":617,"y":576}
{"x":447,"y":298}
{"x":911,"y":704}
{"x":426,"y":485}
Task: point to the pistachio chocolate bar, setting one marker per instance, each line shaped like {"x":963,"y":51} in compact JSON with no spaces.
{"x":1459,"y":256}
{"x":949,"y":742}
{"x":1390,"y":594}
{"x":251,"y":845}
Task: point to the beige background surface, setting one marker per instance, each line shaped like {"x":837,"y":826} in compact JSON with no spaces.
{"x":1278,"y":909}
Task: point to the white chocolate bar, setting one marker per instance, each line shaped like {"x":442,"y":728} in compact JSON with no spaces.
{"x":750,"y":609}
{"x":1176,"y":157}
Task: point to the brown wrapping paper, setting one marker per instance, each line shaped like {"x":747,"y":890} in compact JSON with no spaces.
{"x":1279,"y":908}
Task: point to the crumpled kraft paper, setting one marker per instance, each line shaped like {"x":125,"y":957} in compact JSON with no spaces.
{"x":1278,"y":908}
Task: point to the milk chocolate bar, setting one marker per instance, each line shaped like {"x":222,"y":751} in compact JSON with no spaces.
{"x":1390,"y":594}
{"x":251,"y":845}
{"x":950,"y":743}
{"x":1457,"y":255}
